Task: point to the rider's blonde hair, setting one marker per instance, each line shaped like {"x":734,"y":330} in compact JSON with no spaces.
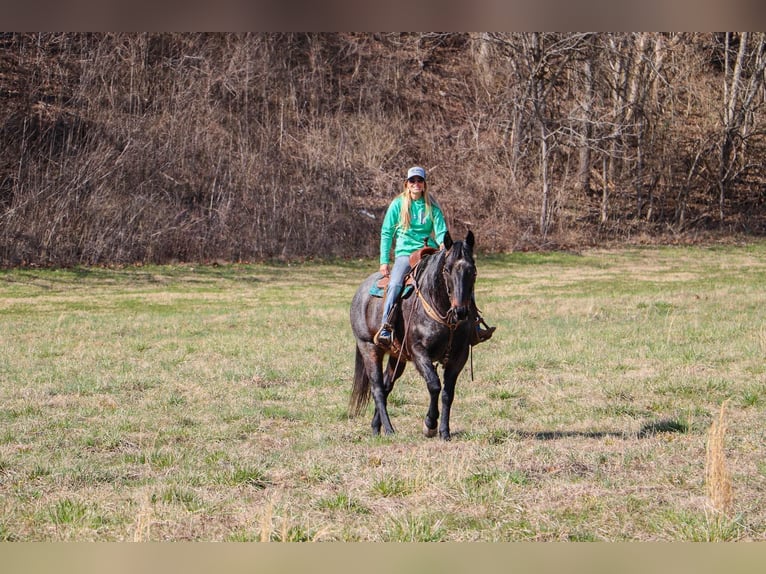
{"x":404,"y":214}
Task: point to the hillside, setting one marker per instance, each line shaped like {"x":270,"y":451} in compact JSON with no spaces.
{"x":127,"y":148}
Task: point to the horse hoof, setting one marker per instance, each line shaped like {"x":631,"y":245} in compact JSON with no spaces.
{"x":427,"y":432}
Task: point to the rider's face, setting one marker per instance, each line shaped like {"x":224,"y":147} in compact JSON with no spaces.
{"x":415,"y":185}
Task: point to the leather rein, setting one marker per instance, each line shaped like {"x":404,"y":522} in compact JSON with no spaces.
{"x":448,"y":320}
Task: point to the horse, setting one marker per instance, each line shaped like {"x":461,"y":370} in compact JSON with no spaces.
{"x":435,"y":325}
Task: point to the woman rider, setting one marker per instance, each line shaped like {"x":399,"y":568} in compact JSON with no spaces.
{"x":413,"y":220}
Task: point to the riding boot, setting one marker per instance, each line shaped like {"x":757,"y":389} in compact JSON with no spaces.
{"x":385,"y":335}
{"x":480,"y":334}
{"x":397,"y":279}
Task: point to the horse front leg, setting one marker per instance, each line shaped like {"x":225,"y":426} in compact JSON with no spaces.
{"x":434,"y":385}
{"x":447,"y":396}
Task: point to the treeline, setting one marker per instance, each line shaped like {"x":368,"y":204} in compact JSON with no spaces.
{"x":126,"y":148}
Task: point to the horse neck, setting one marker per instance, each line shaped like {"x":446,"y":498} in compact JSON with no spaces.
{"x":432,"y":281}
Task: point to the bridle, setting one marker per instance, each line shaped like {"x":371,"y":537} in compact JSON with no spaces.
{"x":449,"y":319}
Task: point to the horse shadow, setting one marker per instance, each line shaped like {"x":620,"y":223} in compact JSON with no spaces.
{"x":647,"y":430}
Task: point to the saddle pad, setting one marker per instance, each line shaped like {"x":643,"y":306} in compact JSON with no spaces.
{"x":378,"y":288}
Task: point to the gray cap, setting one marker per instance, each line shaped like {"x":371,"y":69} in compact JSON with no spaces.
{"x":416,"y":172}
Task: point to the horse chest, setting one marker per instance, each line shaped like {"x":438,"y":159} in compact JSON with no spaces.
{"x":440,"y":344}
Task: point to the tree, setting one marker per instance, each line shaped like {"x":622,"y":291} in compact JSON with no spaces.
{"x":742,"y":83}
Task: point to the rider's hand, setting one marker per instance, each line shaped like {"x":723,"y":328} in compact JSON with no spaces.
{"x":384,"y":270}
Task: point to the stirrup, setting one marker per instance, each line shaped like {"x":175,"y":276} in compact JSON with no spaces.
{"x":384,"y":341}
{"x":482,"y":335}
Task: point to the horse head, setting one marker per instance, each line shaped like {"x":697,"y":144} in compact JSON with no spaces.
{"x":459,"y":273}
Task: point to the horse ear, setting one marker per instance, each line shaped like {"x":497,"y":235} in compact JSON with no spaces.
{"x":469,"y":239}
{"x":447,"y":240}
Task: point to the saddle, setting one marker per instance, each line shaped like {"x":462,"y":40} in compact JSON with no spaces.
{"x":379,"y":287}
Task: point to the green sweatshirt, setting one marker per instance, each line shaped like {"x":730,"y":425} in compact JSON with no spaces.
{"x":421,"y":226}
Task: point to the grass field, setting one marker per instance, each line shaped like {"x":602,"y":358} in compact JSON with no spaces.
{"x":210,"y":403}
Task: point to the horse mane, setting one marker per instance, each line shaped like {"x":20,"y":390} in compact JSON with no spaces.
{"x":429,"y":277}
{"x":428,"y":270}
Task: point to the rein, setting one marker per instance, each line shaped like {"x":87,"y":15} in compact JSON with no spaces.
{"x":445,"y":320}
{"x":433,"y":313}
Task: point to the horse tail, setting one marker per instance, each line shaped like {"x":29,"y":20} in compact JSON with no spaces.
{"x":360,"y":391}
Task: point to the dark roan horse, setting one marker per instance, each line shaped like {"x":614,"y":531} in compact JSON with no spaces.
{"x":435,"y":325}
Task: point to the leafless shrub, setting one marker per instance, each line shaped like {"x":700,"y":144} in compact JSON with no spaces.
{"x":120,"y":148}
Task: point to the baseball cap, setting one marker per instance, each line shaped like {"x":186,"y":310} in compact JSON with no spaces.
{"x":416,"y":172}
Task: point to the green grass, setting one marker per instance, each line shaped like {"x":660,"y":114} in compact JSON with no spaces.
{"x":209,"y":403}
{"x":414,"y":528}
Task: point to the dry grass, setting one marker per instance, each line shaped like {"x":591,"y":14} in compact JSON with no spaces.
{"x":173,"y":403}
{"x":717,"y":476}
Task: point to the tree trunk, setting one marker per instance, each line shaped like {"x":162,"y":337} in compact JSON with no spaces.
{"x":586,"y":128}
{"x":731,"y":93}
{"x":544,"y":207}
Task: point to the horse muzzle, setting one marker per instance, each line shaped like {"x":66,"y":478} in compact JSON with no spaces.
{"x":457,"y":313}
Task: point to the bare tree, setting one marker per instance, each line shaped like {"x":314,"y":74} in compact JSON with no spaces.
{"x":587,"y":118}
{"x":125,"y":147}
{"x":541,"y":63}
{"x":742,"y":83}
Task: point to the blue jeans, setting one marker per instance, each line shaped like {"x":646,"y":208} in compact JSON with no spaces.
{"x":395,"y":283}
